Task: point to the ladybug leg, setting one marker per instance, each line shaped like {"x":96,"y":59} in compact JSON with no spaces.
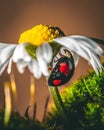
{"x":50,"y":68}
{"x":55,"y":60}
{"x":64,"y":52}
{"x":61,"y":55}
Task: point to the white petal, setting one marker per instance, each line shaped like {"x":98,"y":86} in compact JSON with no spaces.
{"x":21,"y":66}
{"x":89,"y":43}
{"x":42,"y":63}
{"x":72,"y":45}
{"x":3,"y":66}
{"x":46,"y":52}
{"x":3,"y":45}
{"x":9,"y":66}
{"x":94,"y":60}
{"x":83,"y":47}
{"x":21,"y":54}
{"x":35,"y":69}
{"x":76,"y":58}
{"x":7,"y":53}
{"x":92,"y":49}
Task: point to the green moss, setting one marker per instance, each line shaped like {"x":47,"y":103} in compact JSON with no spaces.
{"x":18,"y":122}
{"x":84,"y":104}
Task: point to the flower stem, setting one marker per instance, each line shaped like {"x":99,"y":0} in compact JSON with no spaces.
{"x":59,"y":105}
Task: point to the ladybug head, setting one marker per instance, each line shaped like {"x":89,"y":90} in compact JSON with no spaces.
{"x":62,"y":68}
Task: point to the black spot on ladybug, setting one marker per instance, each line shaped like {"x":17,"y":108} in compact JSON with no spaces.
{"x":62,"y":72}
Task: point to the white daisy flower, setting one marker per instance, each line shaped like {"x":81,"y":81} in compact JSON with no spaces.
{"x":19,"y":55}
{"x":84,"y":47}
{"x":47,"y":40}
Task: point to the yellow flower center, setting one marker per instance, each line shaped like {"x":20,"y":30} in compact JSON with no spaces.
{"x":40,"y":34}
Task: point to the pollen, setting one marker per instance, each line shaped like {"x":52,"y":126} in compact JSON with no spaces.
{"x":40,"y":34}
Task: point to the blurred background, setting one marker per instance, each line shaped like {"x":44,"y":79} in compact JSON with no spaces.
{"x":82,"y":17}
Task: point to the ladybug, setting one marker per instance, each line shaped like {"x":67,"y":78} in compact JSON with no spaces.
{"x":62,"y":70}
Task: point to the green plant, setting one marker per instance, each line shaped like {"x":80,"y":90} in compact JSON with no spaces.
{"x":83,"y":104}
{"x":17,"y":122}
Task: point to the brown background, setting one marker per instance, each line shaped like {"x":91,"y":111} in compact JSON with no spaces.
{"x":82,"y":17}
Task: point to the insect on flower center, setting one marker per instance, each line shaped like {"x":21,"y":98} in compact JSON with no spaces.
{"x":40,"y":34}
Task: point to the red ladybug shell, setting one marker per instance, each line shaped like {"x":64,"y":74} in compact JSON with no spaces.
{"x":64,"y":68}
{"x":62,"y":72}
{"x":57,"y":82}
